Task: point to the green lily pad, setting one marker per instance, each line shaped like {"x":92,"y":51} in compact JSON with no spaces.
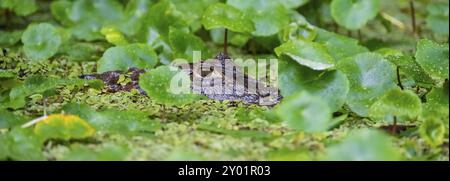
{"x":269,"y":17}
{"x":407,"y":65}
{"x":437,"y":19}
{"x":433,"y":58}
{"x":433,"y":132}
{"x":65,"y":127}
{"x":128,"y":122}
{"x":21,"y":145}
{"x":339,"y":46}
{"x":300,"y":112}
{"x":370,"y":76}
{"x":364,"y":145}
{"x":124,"y":57}
{"x":220,"y":15}
{"x":21,"y":8}
{"x":9,"y":120}
{"x":309,"y":54}
{"x":354,"y":14}
{"x":184,"y":44}
{"x":163,"y":85}
{"x":10,"y":38}
{"x":41,"y":41}
{"x":397,"y":103}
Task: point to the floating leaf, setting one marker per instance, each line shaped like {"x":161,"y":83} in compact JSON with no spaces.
{"x":433,"y":58}
{"x":407,"y":65}
{"x":114,"y":121}
{"x":41,"y":41}
{"x":269,"y":17}
{"x":364,"y":145}
{"x":433,"y":132}
{"x":436,"y":106}
{"x":339,"y":46}
{"x":61,"y":10}
{"x":293,"y":4}
{"x":163,"y":85}
{"x":113,"y":36}
{"x":9,"y":120}
{"x":155,"y":32}
{"x":193,"y":11}
{"x":9,"y":38}
{"x":134,"y":18}
{"x":124,"y":57}
{"x":87,"y":17}
{"x":301,"y":31}
{"x":21,"y":8}
{"x":184,"y":44}
{"x":437,"y":19}
{"x":22,"y":145}
{"x":66,"y":127}
{"x":300,"y":112}
{"x":309,"y":54}
{"x":332,"y":86}
{"x":220,"y":15}
{"x":80,"y":52}
{"x":370,"y":76}
{"x":354,"y":14}
{"x":396,"y":103}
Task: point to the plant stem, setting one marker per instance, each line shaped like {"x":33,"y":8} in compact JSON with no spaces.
{"x":399,"y":79}
{"x":225,"y":42}
{"x":413,"y":15}
{"x":394,"y":127}
{"x":359,"y":35}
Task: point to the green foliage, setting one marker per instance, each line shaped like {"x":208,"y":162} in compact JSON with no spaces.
{"x":344,"y":65}
{"x":41,"y":41}
{"x":127,"y":56}
{"x":354,"y":14}
{"x":433,"y":58}
{"x":339,"y":46}
{"x":21,"y":8}
{"x":184,"y":44}
{"x":364,"y":145}
{"x":433,"y":132}
{"x":269,"y":17}
{"x":113,"y":121}
{"x":10,"y":38}
{"x":332,"y":86}
{"x":309,"y":54}
{"x":220,"y":15}
{"x":437,"y":19}
{"x":370,"y":77}
{"x":21,"y":144}
{"x":86,"y":18}
{"x":65,"y":127}
{"x":168,"y":85}
{"x":193,"y":11}
{"x":407,"y":65}
{"x":396,"y":103}
{"x":9,"y":120}
{"x":299,"y":112}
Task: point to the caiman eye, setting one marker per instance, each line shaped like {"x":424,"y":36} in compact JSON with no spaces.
{"x":205,"y":73}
